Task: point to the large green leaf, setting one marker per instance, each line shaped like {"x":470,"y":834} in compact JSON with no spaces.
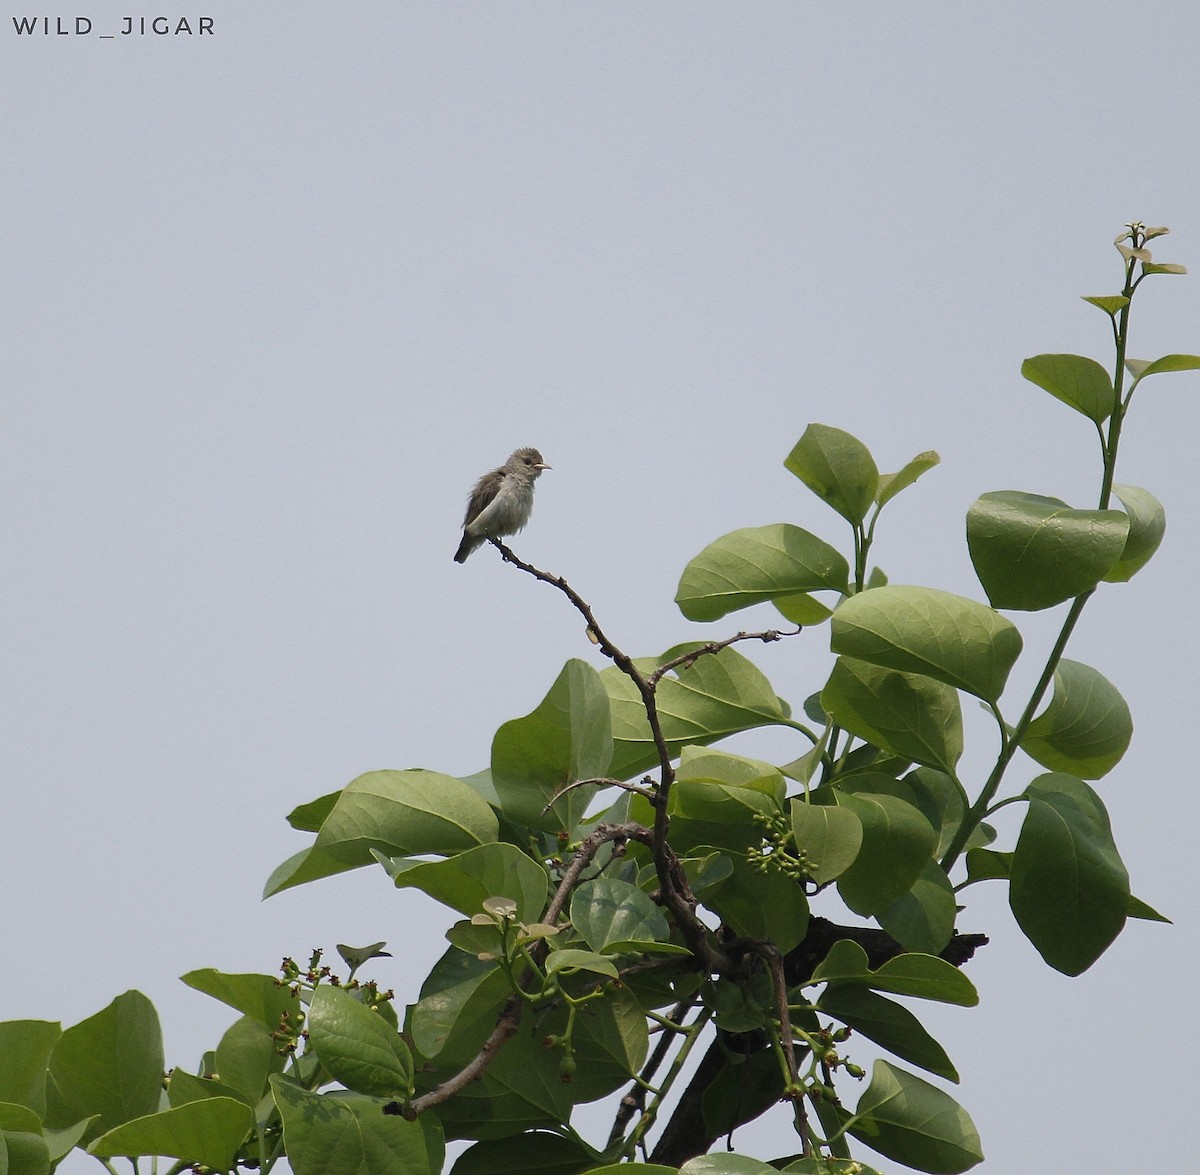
{"x":769,"y":906}
{"x":246,"y":1057}
{"x":345,"y":1134}
{"x":1147,"y":525}
{"x":566,"y":739}
{"x":922,"y":630}
{"x":357,"y":1046}
{"x":924,"y":976}
{"x":838,"y":468}
{"x":207,"y":1132}
{"x":25,"y":1046}
{"x":915,"y":1123}
{"x":464,"y":882}
{"x":887,"y":1023}
{"x":522,"y":1089}
{"x":923,"y":918}
{"x":830,"y":836}
{"x":1075,"y":380}
{"x":540,"y":1151}
{"x":184,"y":1087}
{"x":906,"y":714}
{"x":611,"y":1040}
{"x":758,"y":564}
{"x":459,"y":1002}
{"x":262,"y":997}
{"x":109,"y":1066}
{"x":396,"y":813}
{"x":1069,"y":889}
{"x":1086,"y":728}
{"x":897,"y":844}
{"x":726,"y":1163}
{"x":615,"y":917}
{"x":718,"y":695}
{"x":1032,"y":552}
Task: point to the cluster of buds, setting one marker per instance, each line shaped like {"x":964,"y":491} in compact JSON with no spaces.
{"x":778,"y":850}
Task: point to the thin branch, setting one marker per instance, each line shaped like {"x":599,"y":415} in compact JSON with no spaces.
{"x":689,"y":659}
{"x":644,"y":792}
{"x":769,"y":953}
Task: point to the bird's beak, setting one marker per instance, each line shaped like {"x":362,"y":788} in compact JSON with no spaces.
{"x":543,"y":465}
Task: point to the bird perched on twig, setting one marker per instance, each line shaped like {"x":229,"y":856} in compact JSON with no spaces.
{"x":501,"y":501}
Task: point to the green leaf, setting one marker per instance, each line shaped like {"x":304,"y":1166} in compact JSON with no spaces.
{"x":897,"y":844}
{"x":1032,"y":552}
{"x":396,"y":813}
{"x":838,"y":468}
{"x":830,"y":836}
{"x":1086,"y":728}
{"x":357,"y":1046}
{"x":1110,"y":304}
{"x":915,"y":1123}
{"x":890,"y":484}
{"x":261,"y":997}
{"x":726,"y":1164}
{"x":922,"y":630}
{"x":755,"y":565}
{"x":718,"y":695}
{"x":769,"y":906}
{"x":566,"y":739}
{"x":611,"y":1040}
{"x":614,"y":917}
{"x":803,"y":610}
{"x":906,"y":714}
{"x":1075,"y":380}
{"x":923,"y":918}
{"x":1147,"y":525}
{"x":24,"y":1152}
{"x":345,"y":1134}
{"x":522,"y":1089}
{"x":207,"y":1132}
{"x":740,"y":1092}
{"x":1149,"y":267}
{"x":1147,"y":913}
{"x":540,"y":1151}
{"x":109,"y":1066}
{"x":464,"y":882}
{"x":924,"y":976}
{"x":570,"y":960}
{"x":457,"y":1009}
{"x":183,"y":1087}
{"x":1069,"y":889}
{"x":888,"y":1024}
{"x":246,"y":1057}
{"x":26,"y":1046}
{"x":988,"y":865}
{"x":935,"y":794}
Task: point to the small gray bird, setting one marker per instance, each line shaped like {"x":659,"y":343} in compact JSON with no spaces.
{"x":501,"y":501}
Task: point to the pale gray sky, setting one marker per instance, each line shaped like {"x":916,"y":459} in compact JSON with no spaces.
{"x":274,"y":297}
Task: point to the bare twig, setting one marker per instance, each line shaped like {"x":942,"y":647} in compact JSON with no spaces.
{"x":644,"y":792}
{"x":689,"y":659}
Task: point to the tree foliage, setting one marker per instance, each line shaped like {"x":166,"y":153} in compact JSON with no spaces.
{"x":635,"y":914}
